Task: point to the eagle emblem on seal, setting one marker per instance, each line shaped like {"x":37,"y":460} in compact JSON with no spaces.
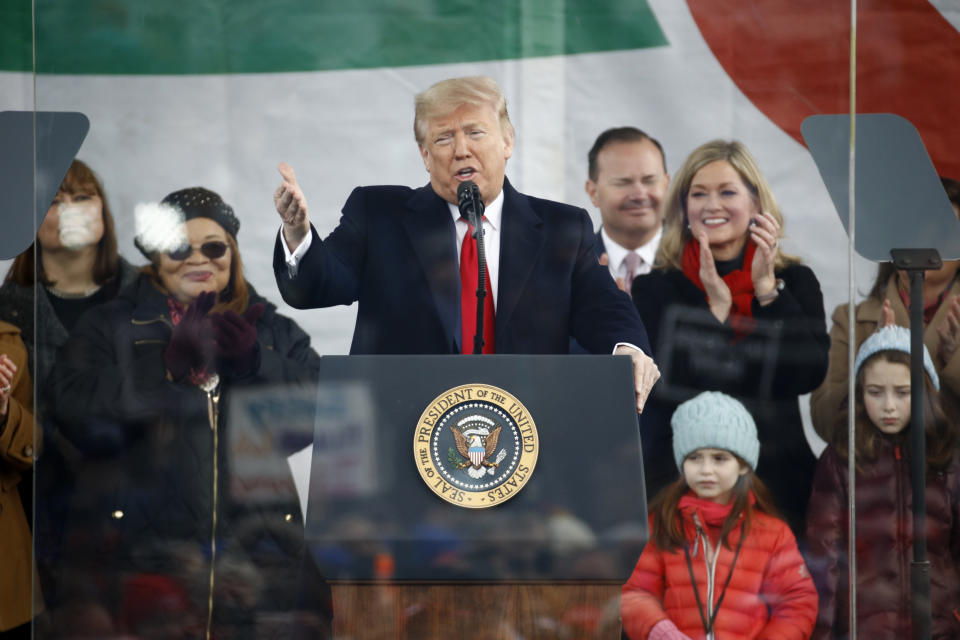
{"x":477,"y":445}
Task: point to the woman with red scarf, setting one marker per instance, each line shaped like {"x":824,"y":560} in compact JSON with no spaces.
{"x":728,"y":311}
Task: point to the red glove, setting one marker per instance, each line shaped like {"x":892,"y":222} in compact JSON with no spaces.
{"x":235,"y":337}
{"x":666,"y":630}
{"x":191,"y":348}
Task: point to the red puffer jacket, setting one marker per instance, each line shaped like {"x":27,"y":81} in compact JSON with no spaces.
{"x":884,"y":506}
{"x":770,"y":595}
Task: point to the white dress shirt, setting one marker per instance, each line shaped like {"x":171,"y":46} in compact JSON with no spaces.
{"x":492,"y":217}
{"x":617,"y":255}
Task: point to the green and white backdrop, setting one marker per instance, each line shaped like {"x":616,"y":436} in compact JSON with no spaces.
{"x":217,"y":92}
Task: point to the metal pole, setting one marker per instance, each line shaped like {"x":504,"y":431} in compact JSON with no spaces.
{"x":852,"y":333}
{"x":920,"y":567}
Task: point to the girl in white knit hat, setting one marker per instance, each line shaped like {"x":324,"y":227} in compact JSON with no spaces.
{"x":884,"y":502}
{"x":719,"y":564}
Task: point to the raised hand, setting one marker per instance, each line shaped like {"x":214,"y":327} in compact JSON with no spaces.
{"x":235,"y":337}
{"x":887,"y":317}
{"x":949,"y":330}
{"x":765,"y":233}
{"x":718,"y":293}
{"x":191,"y":349}
{"x":291,"y":204}
{"x":7,"y":371}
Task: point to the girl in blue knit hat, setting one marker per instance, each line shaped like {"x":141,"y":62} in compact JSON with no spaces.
{"x":719,"y":564}
{"x":884,"y":522}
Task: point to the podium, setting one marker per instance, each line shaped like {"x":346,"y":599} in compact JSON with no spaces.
{"x":485,"y":496}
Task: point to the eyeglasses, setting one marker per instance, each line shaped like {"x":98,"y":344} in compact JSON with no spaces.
{"x":213,"y":250}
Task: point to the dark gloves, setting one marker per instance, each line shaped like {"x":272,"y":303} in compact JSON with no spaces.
{"x":191,"y":348}
{"x":235,"y":337}
{"x":204,"y":343}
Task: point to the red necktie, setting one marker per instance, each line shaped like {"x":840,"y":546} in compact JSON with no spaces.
{"x":468,"y":297}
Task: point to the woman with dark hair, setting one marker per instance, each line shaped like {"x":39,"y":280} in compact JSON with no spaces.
{"x":143,"y":387}
{"x":72,"y":266}
{"x":887,"y":304}
{"x":77,"y":267}
{"x":727,"y":310}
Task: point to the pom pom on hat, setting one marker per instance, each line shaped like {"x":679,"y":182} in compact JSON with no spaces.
{"x":159,"y":226}
{"x":893,"y":338}
{"x":714,"y":420}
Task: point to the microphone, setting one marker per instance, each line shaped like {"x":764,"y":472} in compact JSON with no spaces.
{"x":471,"y":207}
{"x":469,"y":201}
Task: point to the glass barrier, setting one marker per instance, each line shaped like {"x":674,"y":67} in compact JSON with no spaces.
{"x":208,"y":470}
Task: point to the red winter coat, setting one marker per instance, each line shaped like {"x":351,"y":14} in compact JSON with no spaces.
{"x":770,"y":596}
{"x":884,"y":546}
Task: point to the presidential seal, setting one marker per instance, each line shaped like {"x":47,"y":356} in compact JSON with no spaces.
{"x":476,"y":446}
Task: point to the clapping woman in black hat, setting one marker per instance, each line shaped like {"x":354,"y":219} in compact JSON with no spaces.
{"x":144,"y":384}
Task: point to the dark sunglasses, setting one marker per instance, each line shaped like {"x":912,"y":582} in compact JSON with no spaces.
{"x":213,"y":250}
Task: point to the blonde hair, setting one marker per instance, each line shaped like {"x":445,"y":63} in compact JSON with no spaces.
{"x":446,"y":96}
{"x":676,"y":231}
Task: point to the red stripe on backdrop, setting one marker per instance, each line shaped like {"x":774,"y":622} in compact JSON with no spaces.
{"x":791,"y":59}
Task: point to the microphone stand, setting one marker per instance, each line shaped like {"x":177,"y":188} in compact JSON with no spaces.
{"x":915,"y":262}
{"x":476,"y":219}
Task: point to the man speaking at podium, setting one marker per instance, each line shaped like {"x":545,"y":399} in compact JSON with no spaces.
{"x":406,"y":255}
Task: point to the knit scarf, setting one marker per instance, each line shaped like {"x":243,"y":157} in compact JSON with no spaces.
{"x":176,"y":309}
{"x":712,"y":513}
{"x":739,"y":281}
{"x":929,"y":310}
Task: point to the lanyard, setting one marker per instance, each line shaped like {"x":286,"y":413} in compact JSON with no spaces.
{"x":708,"y":625}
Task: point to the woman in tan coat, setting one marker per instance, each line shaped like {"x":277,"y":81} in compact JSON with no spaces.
{"x":17,"y":437}
{"x":888,"y":303}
